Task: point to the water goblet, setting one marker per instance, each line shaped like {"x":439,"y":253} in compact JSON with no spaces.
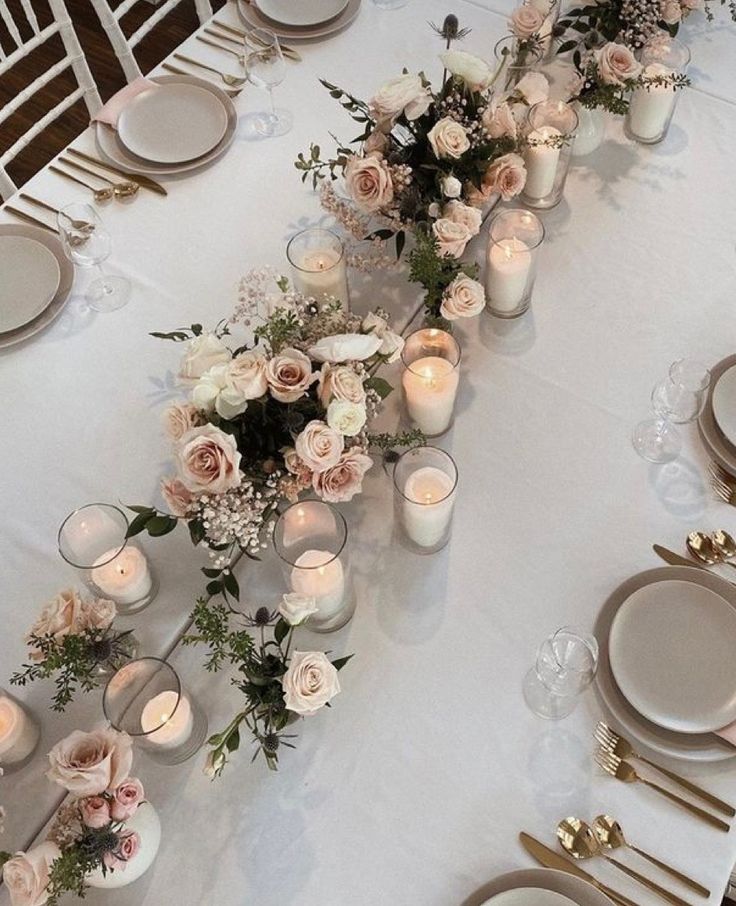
{"x":265,"y":67}
{"x":565,"y":666}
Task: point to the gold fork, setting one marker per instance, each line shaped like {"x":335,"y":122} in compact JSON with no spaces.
{"x":230,"y":92}
{"x":721,"y":482}
{"x":622,"y":770}
{"x":622,"y":748}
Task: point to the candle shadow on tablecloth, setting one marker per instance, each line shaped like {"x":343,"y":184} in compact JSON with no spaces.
{"x":509,"y":337}
{"x":680,"y":488}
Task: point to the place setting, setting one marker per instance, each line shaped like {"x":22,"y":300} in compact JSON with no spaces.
{"x":307,"y":20}
{"x":717,"y":421}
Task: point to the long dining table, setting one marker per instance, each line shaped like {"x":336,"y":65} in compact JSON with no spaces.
{"x":414,"y":786}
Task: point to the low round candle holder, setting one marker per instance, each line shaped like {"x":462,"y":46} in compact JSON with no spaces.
{"x":517,"y":61}
{"x":515,"y":237}
{"x":431,"y":376}
{"x":146,"y":700}
{"x":319,"y":265}
{"x":550,"y":134}
{"x":653,"y":106}
{"x":425,"y":486}
{"x":311,"y":540}
{"x":93,"y":540}
{"x":19,"y":734}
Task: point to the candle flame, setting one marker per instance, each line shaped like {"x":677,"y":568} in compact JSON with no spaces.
{"x":508,"y":252}
{"x":165,"y":718}
{"x":428,"y":498}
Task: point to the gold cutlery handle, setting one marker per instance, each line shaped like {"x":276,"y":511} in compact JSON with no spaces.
{"x":688,"y":882}
{"x":645,"y":882}
{"x":615,"y":896}
{"x":30,"y":219}
{"x":76,"y":166}
{"x":38,"y":202}
{"x":683,"y":803}
{"x":97,"y":163}
{"x":218,"y":46}
{"x":73,"y":178}
{"x":180,"y":56}
{"x":692,"y":788}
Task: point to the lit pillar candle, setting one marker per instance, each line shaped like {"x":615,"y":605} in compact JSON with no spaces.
{"x":319,"y":575}
{"x":18,"y":732}
{"x":507,"y":273}
{"x":124,"y":579}
{"x":651,"y":107}
{"x":167,"y":720}
{"x":541,"y":162}
{"x":430,"y":386}
{"x":428,"y":507}
{"x":322,"y":272}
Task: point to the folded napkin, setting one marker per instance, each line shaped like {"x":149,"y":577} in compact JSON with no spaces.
{"x":728,"y":733}
{"x":114,"y":107}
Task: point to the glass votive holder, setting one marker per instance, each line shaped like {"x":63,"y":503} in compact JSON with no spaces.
{"x":550,"y":135}
{"x":146,"y":700}
{"x":311,"y":540}
{"x":565,"y":666}
{"x":511,"y":263}
{"x":19,"y":733}
{"x":319,"y":265}
{"x":517,"y":60}
{"x":425,"y":482}
{"x":93,"y":540}
{"x":431,"y":360}
{"x":652,"y":106}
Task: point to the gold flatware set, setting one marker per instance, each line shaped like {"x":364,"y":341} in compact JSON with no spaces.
{"x":723,"y":484}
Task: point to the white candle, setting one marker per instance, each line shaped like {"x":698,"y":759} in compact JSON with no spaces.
{"x":125,"y":579}
{"x":651,"y":108}
{"x":507,"y":273}
{"x":319,"y":575}
{"x":18,"y":732}
{"x":541,"y":162}
{"x":427,"y":518}
{"x":430,"y":386}
{"x":544,"y":6}
{"x":166,"y":723}
{"x":322,"y":272}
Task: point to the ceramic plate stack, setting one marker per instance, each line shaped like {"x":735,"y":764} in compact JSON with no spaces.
{"x":35,"y":281}
{"x":299,"y":21}
{"x":538,"y":887}
{"x":717,"y":424}
{"x":184,"y":124}
{"x":666,"y":671}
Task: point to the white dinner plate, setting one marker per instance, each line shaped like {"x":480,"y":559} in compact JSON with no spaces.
{"x":29,"y":279}
{"x":537,"y":882}
{"x":529,"y":896}
{"x":172,"y":124}
{"x":717,"y":445}
{"x":724,"y":403}
{"x":253,"y":18}
{"x":302,"y":13}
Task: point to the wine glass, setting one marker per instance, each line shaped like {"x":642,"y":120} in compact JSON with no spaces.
{"x":265,"y":67}
{"x":87,"y":243}
{"x":678,"y":399}
{"x":565,"y":666}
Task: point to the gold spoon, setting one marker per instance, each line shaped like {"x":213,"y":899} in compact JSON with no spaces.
{"x":98,"y":194}
{"x":611,"y":836}
{"x":577,"y":838}
{"x":701,"y":546}
{"x":725,"y":544}
{"x":125,"y":189}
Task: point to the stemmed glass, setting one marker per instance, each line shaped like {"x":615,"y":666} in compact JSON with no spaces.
{"x":565,"y":666}
{"x":678,"y":399}
{"x":265,"y":68}
{"x":87,"y":243}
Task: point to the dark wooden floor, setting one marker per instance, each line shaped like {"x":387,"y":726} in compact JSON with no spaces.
{"x":105,"y":68}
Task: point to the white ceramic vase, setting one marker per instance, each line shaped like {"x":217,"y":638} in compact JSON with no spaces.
{"x":145,"y":822}
{"x":591,"y":129}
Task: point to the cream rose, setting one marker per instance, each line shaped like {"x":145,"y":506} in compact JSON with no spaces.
{"x":215,"y":392}
{"x":405,"y":94}
{"x":345,"y":347}
{"x":214,"y":763}
{"x":61,"y":616}
{"x":178,"y":419}
{"x":98,"y":613}
{"x":368,"y":182}
{"x":451,"y":187}
{"x":616,"y":64}
{"x":202,"y":353}
{"x":295,"y":608}
{"x":506,"y":176}
{"x":533,"y":88}
{"x":177,"y":496}
{"x":87,"y":764}
{"x":346,"y":418}
{"x":289,"y":375}
{"x":309,"y":683}
{"x":476,"y":73}
{"x":248,"y":375}
{"x":463,"y":298}
{"x":318,"y":446}
{"x":451,"y":237}
{"x":208,"y":460}
{"x":448,"y":138}
{"x":26,"y":875}
{"x":526,"y":21}
{"x":391,"y":343}
{"x":295,"y":466}
{"x":340,"y":382}
{"x":498,"y":121}
{"x":470,"y":217}
{"x":343,"y":481}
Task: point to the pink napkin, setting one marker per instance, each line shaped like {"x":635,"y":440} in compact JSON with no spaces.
{"x":114,"y":107}
{"x":728,"y":733}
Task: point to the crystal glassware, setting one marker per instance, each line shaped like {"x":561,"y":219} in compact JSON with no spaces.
{"x":550,"y":133}
{"x":431,"y":360}
{"x":265,"y":67}
{"x":565,"y":666}
{"x":311,"y":540}
{"x":515,"y":237}
{"x":514,"y":60}
{"x":652,"y":106}
{"x":87,"y":243}
{"x":93,"y":539}
{"x":678,"y":399}
{"x":318,"y":265}
{"x":425,"y":486}
{"x":146,"y":700}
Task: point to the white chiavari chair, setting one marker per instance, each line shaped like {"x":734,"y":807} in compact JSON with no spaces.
{"x":122,"y":45}
{"x":23,"y":37}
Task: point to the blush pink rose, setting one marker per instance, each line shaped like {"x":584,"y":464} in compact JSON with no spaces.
{"x":526,"y":21}
{"x":343,"y":481}
{"x":463,"y":298}
{"x":177,"y":495}
{"x":498,"y":121}
{"x":368,"y":182}
{"x":448,"y":138}
{"x":127,"y":797}
{"x":340,"y":382}
{"x":318,"y":446}
{"x":289,"y":375}
{"x":178,"y":419}
{"x":129,"y":843}
{"x":88,"y":764}
{"x":95,"y":811}
{"x":208,"y":460}
{"x":616,"y":64}
{"x":61,"y":616}
{"x":670,"y":11}
{"x":451,"y":237}
{"x":506,"y":176}
{"x":26,"y":875}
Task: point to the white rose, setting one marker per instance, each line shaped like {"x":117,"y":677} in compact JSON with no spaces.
{"x":448,"y":138}
{"x":533,"y":87}
{"x":451,"y":187}
{"x":470,"y":217}
{"x":26,"y":875}
{"x":616,"y":64}
{"x":295,"y":608}
{"x":345,"y":417}
{"x":391,"y":343}
{"x":463,"y":298}
{"x":248,"y":375}
{"x":434,"y":210}
{"x":404,"y":94}
{"x":309,"y":683}
{"x":319,"y":446}
{"x":340,"y":382}
{"x":451,"y":237}
{"x":202,"y":353}
{"x":476,"y":73}
{"x":213,"y":763}
{"x":345,"y":347}
{"x":99,"y":613}
{"x":216,"y":392}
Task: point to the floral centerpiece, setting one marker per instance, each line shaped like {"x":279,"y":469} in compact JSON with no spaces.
{"x":74,"y":641}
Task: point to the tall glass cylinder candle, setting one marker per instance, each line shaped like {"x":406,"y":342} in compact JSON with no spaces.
{"x":319,"y":265}
{"x":425,"y":482}
{"x":515,"y":61}
{"x":311,"y":540}
{"x":550,"y":134}
{"x":146,"y":700}
{"x":93,"y":540}
{"x":653,"y":105}
{"x":19,"y":733}
{"x":514,"y":238}
{"x":431,"y":360}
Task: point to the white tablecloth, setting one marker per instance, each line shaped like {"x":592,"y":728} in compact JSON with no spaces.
{"x":413,"y":787}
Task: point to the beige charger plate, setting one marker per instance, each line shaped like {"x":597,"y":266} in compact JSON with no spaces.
{"x":580,"y":892}
{"x":713,"y":439}
{"x":252,"y":18}
{"x":303,"y":14}
{"x":29,"y":279}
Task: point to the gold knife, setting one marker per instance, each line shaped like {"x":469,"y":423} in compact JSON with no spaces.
{"x":34,"y":220}
{"x":550,"y":859}
{"x":677,"y":560}
{"x":287,"y":51}
{"x":145,"y":182}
